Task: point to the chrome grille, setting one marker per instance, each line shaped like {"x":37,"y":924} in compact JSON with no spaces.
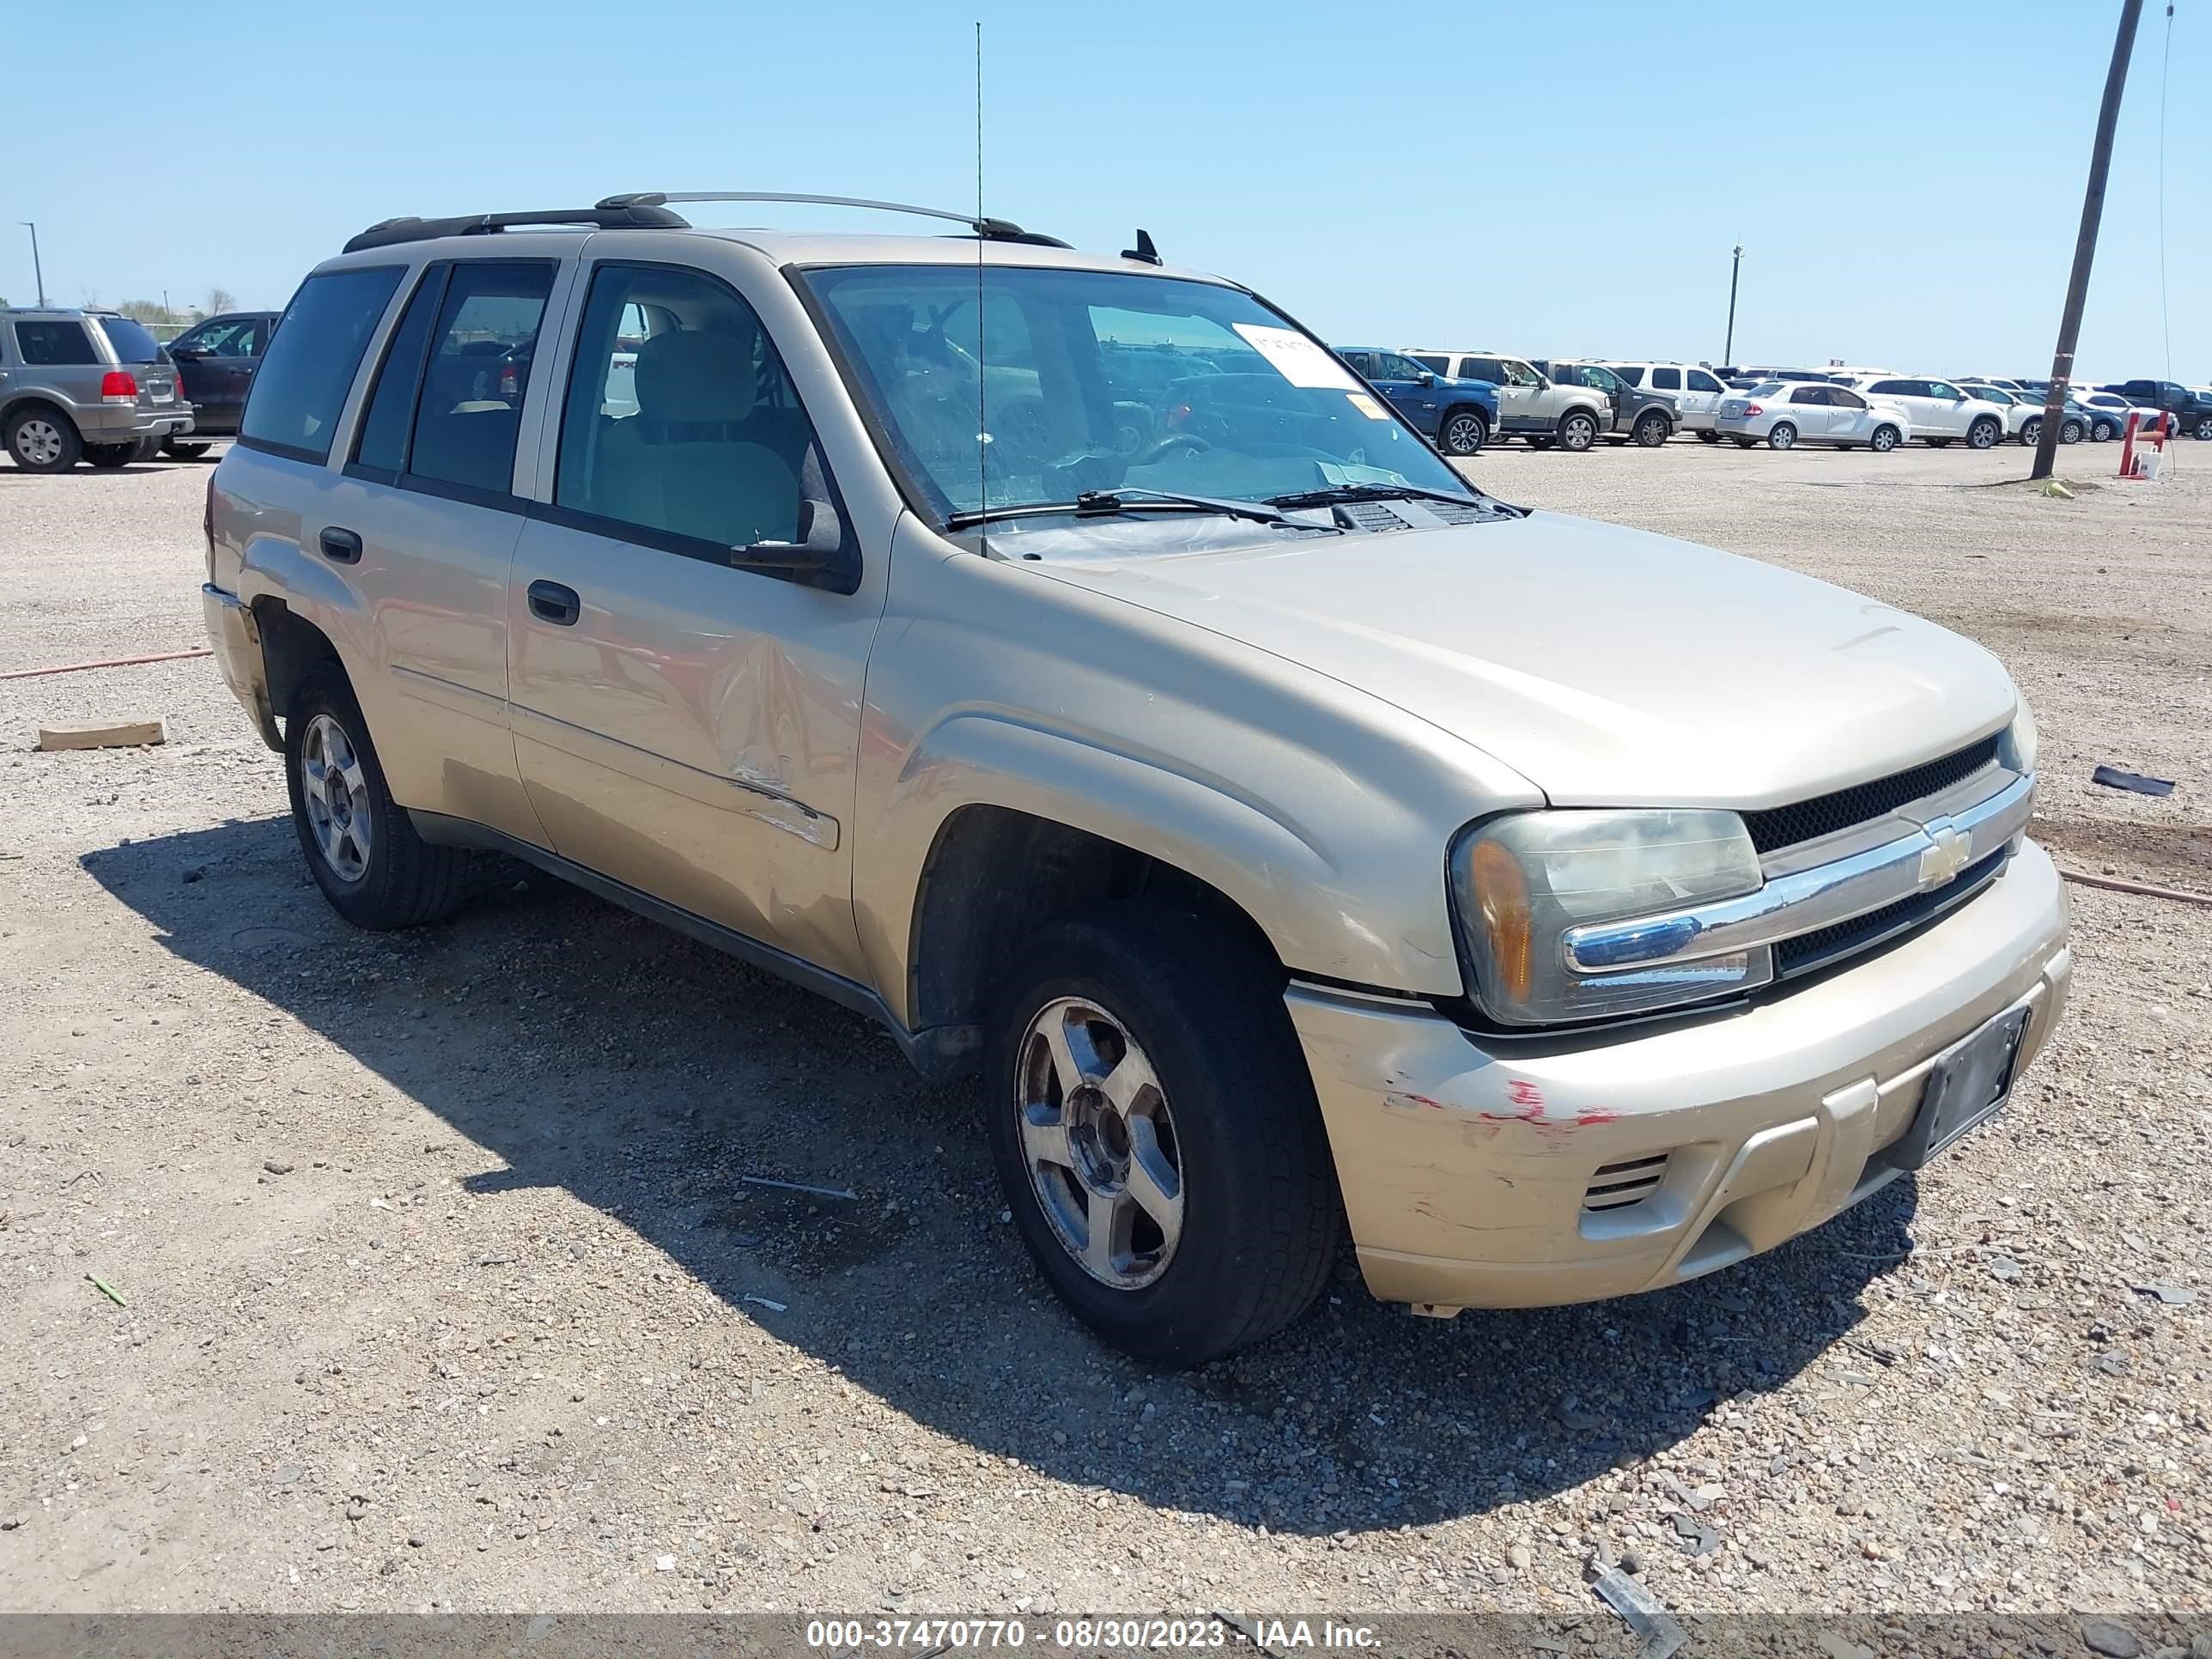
{"x":1824,"y":814}
{"x":1808,"y":952}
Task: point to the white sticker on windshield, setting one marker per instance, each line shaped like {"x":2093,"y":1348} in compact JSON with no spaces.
{"x":1296,"y":358}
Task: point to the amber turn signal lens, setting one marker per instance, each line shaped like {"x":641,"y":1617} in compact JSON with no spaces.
{"x":1503,"y":892}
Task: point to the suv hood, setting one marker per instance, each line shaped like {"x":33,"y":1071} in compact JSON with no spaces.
{"x":1609,"y":667}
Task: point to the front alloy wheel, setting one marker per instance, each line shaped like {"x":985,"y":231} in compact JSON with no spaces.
{"x":1100,"y":1142}
{"x":1464,"y":434}
{"x":1982,"y":434}
{"x":1578,"y":432}
{"x":1885,"y":439}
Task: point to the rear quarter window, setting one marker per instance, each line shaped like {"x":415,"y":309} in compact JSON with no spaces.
{"x":132,"y":343}
{"x":303,"y":380}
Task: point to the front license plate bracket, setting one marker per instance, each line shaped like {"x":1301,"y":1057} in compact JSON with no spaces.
{"x":1968,"y":1084}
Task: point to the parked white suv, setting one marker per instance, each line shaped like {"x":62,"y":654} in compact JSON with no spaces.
{"x":1286,"y":835}
{"x":1940,"y":413}
{"x":1530,"y":403}
{"x":1697,"y":392}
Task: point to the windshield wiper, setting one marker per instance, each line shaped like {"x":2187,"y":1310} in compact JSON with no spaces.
{"x":1100,"y":503}
{"x":1332,"y":495}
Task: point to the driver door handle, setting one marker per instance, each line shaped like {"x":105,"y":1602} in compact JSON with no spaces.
{"x":556,"y":604}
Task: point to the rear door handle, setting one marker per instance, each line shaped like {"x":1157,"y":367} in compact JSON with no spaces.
{"x":341,"y":546}
{"x":555,"y":604}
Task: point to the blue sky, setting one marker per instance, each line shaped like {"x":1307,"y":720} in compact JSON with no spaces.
{"x":1552,"y":178}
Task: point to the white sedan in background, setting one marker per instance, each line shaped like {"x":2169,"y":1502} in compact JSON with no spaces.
{"x":2023,"y":413}
{"x":1787,"y":413}
{"x":1939,"y":411}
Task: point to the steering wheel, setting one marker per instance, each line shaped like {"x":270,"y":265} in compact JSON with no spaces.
{"x":1160,"y":448}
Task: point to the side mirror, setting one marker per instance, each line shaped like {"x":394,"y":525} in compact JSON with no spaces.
{"x":1426,"y":377}
{"x":821,"y":538}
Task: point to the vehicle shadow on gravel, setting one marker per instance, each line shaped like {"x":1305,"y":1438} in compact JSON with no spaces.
{"x":583,"y":1048}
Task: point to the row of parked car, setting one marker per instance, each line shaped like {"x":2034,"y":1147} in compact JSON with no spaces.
{"x":1464,"y":400}
{"x":98,"y":386}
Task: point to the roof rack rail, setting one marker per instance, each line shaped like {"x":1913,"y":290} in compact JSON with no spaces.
{"x":993,"y":230}
{"x":641,"y":215}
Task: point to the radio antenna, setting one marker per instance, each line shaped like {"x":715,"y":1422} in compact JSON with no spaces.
{"x":982,"y":427}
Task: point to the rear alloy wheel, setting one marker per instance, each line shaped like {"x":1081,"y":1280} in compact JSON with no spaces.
{"x":1577,"y":430}
{"x":2070,"y":433}
{"x":1885,"y":439}
{"x":361,"y":846}
{"x":108,"y":456}
{"x":1652,"y":430}
{"x":1156,"y":1133}
{"x":1983,"y":433}
{"x":2103,"y":431}
{"x":1464,"y":433}
{"x":1784,"y":436}
{"x":42,"y":440}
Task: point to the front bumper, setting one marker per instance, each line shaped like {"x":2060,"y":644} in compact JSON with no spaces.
{"x":1465,"y":1169}
{"x":237,"y":641}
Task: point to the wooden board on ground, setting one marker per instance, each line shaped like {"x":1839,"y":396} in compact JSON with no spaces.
{"x":102,"y":734}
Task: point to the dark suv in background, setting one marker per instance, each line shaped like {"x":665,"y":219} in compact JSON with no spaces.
{"x":215,"y":360}
{"x":2191,"y":410}
{"x":1459,"y":416}
{"x":1640,"y":413}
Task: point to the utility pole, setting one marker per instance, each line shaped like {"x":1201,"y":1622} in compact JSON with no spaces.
{"x":2085,"y":244}
{"x":1735,"y":270}
{"x":37,"y":269}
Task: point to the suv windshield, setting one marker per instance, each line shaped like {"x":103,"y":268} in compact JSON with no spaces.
{"x":1082,"y":382}
{"x":132,"y":343}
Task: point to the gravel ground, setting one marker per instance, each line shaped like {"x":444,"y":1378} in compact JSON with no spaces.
{"x":442,"y":1291}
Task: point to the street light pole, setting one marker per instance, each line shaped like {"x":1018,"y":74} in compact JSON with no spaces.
{"x":2085,"y":244}
{"x":1735,"y":270}
{"x":38,"y":270}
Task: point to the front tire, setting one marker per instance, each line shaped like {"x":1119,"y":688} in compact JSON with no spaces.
{"x":1652,"y":430}
{"x":185,"y":452}
{"x":360,"y":845}
{"x":1707,"y":434}
{"x":1464,"y":432}
{"x":108,"y":456}
{"x":41,"y":439}
{"x":1156,"y":1132}
{"x":1984,"y":433}
{"x":1577,"y":430}
{"x":1783,"y":435}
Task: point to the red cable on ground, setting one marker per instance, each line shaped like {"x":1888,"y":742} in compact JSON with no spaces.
{"x":110,"y":662}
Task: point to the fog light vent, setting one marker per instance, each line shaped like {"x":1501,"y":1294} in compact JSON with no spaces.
{"x":1617,"y":1186}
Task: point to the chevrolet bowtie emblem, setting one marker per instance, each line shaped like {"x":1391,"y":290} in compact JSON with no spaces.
{"x":1946,"y":858}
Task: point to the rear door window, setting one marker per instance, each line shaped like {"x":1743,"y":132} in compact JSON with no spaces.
{"x":1633,"y":376}
{"x":1666,"y":380}
{"x":57,"y":344}
{"x":380,"y":449}
{"x":468,"y":415}
{"x":303,"y":381}
{"x":1701,"y":381}
{"x":1435,"y":363}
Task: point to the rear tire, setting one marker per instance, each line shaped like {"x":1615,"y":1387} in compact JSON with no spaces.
{"x":182,"y":452}
{"x":1463,"y":432}
{"x":1939,"y":443}
{"x":2070,"y":433}
{"x":2203,"y":429}
{"x":2031,"y":431}
{"x":108,"y":456}
{"x":1540,"y":441}
{"x":1707,"y":436}
{"x":1782,"y":435}
{"x":1578,"y":431}
{"x":360,"y":845}
{"x":41,"y":439}
{"x":1227,"y":1109}
{"x":1652,"y":430}
{"x":2103,"y":431}
{"x":1746,"y":443}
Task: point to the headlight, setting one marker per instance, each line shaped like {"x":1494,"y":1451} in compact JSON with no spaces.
{"x":2016,"y":748}
{"x":1521,"y":882}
